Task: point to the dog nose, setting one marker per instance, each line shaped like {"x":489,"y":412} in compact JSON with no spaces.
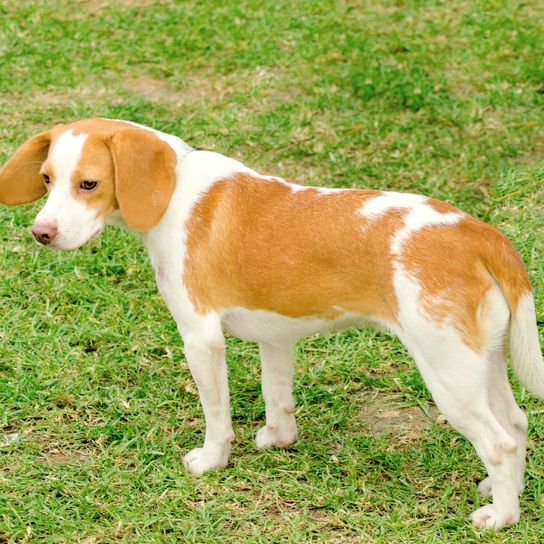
{"x":43,"y":232}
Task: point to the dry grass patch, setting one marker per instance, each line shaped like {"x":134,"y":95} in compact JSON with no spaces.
{"x":211,"y":88}
{"x":56,"y":456}
{"x":384,"y":415}
{"x":156,"y":90}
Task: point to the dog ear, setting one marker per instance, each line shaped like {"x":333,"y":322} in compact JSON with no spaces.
{"x":145,"y":176}
{"x":20,"y":179}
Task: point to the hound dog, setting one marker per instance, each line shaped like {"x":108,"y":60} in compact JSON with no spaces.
{"x":271,"y":261}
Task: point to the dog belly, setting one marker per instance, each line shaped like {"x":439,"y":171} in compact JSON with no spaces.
{"x":272,"y":328}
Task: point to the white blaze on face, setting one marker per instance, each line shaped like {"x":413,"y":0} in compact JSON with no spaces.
{"x":75,"y":222}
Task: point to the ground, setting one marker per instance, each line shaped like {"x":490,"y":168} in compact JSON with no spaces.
{"x":98,"y":407}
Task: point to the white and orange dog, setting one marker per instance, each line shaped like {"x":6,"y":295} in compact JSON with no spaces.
{"x":272,"y":262}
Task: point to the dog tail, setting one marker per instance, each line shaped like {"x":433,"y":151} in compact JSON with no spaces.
{"x":506,"y":266}
{"x":525,"y":351}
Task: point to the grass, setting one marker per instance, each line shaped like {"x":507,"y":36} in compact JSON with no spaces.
{"x":98,"y":406}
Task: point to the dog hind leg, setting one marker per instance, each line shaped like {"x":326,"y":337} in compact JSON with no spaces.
{"x":277,"y":385}
{"x":460,"y":380}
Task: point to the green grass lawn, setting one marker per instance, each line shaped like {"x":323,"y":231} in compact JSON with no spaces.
{"x":97,"y":404}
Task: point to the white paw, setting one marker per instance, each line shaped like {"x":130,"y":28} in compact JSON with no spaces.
{"x":486,"y":489}
{"x":267,"y":438}
{"x":487,"y":517}
{"x":200,"y":460}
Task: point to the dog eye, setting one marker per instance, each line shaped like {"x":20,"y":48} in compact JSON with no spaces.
{"x":46,"y":179}
{"x":88,"y":185}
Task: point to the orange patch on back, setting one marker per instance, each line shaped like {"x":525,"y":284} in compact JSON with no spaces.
{"x":255,"y":243}
{"x":440,"y":206}
{"x":456,"y":265}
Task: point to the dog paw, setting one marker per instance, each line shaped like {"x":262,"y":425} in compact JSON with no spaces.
{"x":487,"y":517}
{"x":268,"y":438}
{"x":201,"y":460}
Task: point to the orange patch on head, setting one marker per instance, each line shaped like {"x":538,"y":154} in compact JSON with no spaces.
{"x":144,"y":166}
{"x":96,"y":164}
{"x":256,"y":244}
{"x":134,"y":168}
{"x":99,"y":127}
{"x":20,"y":178}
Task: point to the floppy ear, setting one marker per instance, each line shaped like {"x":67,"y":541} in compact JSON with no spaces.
{"x":145,"y":176}
{"x":20,"y":180}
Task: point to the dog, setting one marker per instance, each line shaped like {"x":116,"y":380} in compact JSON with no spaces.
{"x":272,"y":261}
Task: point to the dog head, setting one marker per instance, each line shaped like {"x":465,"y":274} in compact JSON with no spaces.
{"x":89,"y":169}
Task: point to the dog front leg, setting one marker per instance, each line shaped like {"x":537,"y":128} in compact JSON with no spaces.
{"x":204,"y":347}
{"x":206,"y":359}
